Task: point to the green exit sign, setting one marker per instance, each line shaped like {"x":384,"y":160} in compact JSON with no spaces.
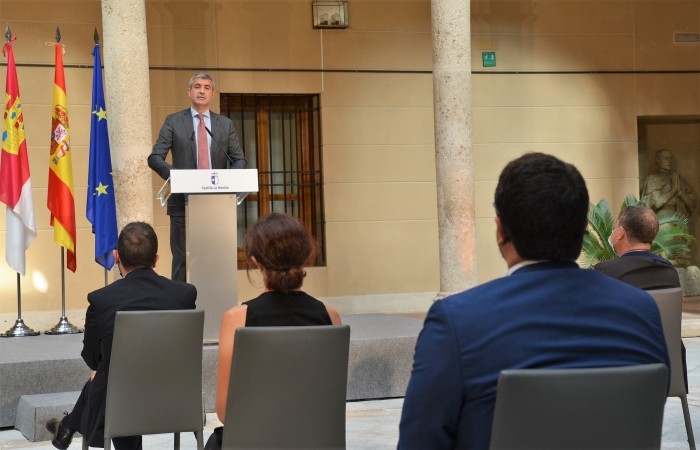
{"x":488,"y":59}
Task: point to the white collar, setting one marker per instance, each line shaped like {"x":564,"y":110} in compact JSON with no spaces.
{"x":512,"y":269}
{"x":195,"y":113}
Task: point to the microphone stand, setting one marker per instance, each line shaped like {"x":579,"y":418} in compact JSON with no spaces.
{"x":221,"y":149}
{"x":241,"y":195}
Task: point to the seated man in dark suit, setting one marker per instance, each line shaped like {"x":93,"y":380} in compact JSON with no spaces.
{"x":141,"y":289}
{"x":547,"y":312}
{"x":631,"y":239}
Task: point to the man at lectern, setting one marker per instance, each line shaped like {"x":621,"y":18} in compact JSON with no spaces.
{"x":198,"y":139}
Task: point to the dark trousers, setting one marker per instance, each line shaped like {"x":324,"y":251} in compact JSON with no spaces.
{"x":75,"y":421}
{"x":215,"y":440}
{"x":178,"y":246}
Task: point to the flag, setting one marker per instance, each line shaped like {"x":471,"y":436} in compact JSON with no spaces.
{"x":101,"y":210}
{"x":15,"y":185}
{"x":60,"y":195}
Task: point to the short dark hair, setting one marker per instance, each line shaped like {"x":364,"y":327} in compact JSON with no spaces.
{"x":282,"y":246}
{"x":542,"y":203}
{"x":203,"y":76}
{"x":640,"y":224}
{"x":137,"y":246}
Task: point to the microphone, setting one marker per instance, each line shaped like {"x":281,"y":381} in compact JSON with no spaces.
{"x":219,"y":145}
{"x":192,"y":137}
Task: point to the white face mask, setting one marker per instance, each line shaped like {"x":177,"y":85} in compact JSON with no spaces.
{"x":611,"y":242}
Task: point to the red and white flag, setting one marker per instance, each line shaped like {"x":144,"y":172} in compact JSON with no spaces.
{"x":15,"y":185}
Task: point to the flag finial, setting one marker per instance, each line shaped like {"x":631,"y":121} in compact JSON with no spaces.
{"x":97,"y":37}
{"x":58,"y":34}
{"x":8,"y":33}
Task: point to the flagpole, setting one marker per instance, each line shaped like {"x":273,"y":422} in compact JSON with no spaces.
{"x":63,"y":326}
{"x":19,"y":329}
{"x":60,"y":210}
{"x":100,"y":208}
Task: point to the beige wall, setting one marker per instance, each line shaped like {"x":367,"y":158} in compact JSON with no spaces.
{"x":377,"y":128}
{"x":587,"y":119}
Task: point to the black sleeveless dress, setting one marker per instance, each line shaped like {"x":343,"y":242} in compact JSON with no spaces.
{"x":295,"y":308}
{"x":275,"y":309}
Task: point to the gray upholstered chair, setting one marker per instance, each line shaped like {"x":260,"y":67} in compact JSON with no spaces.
{"x":155,"y":375}
{"x":287,"y":388}
{"x":601,"y":408}
{"x":670,"y":303}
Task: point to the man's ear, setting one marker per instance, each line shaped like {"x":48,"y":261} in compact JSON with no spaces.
{"x":115,"y":253}
{"x":155,"y":260}
{"x":501,"y":236}
{"x":623,"y":233}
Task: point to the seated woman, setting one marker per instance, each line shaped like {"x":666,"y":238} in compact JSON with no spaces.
{"x":279,"y":246}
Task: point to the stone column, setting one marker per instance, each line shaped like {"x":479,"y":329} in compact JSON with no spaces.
{"x":453,"y":144}
{"x":127,"y":94}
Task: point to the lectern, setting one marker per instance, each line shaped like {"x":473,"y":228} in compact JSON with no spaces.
{"x":212,"y":262}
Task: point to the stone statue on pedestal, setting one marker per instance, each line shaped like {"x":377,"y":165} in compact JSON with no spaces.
{"x":666,"y":192}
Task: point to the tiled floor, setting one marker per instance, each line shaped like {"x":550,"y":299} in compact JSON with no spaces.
{"x":691,"y":317}
{"x":374,"y":424}
{"x":370,"y":425}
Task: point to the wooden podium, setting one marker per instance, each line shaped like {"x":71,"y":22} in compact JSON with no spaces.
{"x":212,"y":263}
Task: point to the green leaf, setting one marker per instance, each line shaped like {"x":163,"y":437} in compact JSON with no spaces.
{"x":595,"y":241}
{"x":673,"y":236}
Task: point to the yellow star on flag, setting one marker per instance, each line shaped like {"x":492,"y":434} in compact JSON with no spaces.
{"x":101,"y":189}
{"x":102,"y":114}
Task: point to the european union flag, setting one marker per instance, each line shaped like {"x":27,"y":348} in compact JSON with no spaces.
{"x":101,"y":208}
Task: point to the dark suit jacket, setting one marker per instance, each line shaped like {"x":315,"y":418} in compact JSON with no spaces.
{"x":642,"y":269}
{"x":140,"y":290}
{"x":544,"y":315}
{"x":177,"y":135}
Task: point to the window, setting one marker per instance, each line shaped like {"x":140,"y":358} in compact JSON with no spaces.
{"x":280,"y":135}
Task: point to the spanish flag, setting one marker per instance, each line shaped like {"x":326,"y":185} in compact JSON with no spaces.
{"x":15,"y":185}
{"x":60,"y":195}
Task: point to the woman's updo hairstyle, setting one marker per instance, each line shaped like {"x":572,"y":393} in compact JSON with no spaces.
{"x":282,"y":247}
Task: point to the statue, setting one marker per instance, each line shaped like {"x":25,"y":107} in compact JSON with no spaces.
{"x":666,"y":192}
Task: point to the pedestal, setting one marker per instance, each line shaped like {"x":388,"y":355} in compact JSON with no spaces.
{"x":212,"y":257}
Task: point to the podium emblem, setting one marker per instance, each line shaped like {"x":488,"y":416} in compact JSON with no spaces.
{"x":214,"y":178}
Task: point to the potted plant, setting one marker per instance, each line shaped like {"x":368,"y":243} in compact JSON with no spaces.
{"x":673,"y":236}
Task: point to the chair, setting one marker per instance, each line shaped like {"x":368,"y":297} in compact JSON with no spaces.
{"x":670,"y":303}
{"x":155,"y":375}
{"x":288,"y":387}
{"x":601,"y":408}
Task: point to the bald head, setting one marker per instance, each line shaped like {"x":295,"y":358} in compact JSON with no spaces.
{"x":640,"y":223}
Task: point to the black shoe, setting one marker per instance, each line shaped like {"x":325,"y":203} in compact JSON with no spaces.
{"x":60,"y":436}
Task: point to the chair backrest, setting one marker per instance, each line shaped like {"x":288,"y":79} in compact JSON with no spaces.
{"x":155,"y":374}
{"x":670,"y":303}
{"x":288,"y":387}
{"x":601,"y":408}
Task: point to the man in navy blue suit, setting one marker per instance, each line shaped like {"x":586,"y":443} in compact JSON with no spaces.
{"x":546,"y":312}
